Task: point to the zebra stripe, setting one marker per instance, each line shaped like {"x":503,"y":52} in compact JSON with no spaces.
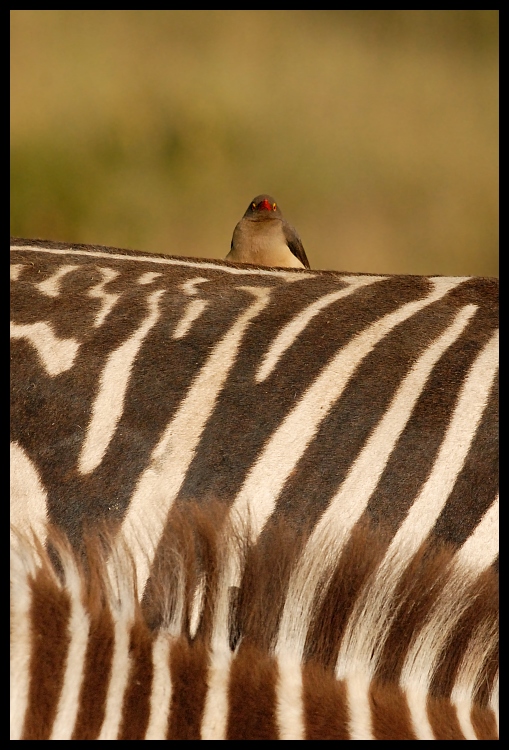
{"x":325,"y":402}
{"x":113,"y":676}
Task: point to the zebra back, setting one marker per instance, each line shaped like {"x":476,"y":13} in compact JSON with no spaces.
{"x":308,"y":407}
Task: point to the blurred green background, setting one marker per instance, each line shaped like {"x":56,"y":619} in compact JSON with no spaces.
{"x":376,"y":132}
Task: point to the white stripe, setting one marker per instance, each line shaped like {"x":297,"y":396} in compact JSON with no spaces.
{"x":109,"y":403}
{"x":191,"y":314}
{"x":51,"y":286}
{"x":481,"y":548}
{"x":283,"y":450}
{"x":364,"y":644}
{"x":467,"y":678}
{"x":57,"y":355}
{"x":193,"y":310}
{"x":121,"y":597}
{"x":229,"y":566}
{"x":196,"y":607}
{"x":346,"y":507}
{"x":215,"y":712}
{"x":422,"y":656}
{"x":108,"y":300}
{"x":294,"y":328}
{"x":16,"y":269}
{"x":160,"y":697}
{"x":463,"y":713}
{"x":417,"y":701}
{"x":21,"y":636}
{"x":189,"y":286}
{"x":286,"y":275}
{"x":119,"y":677}
{"x":359,"y":720}
{"x":148,"y":277}
{"x":160,"y":482}
{"x":28,"y":498}
{"x":78,"y":629}
{"x":494,"y":702}
{"x":472,"y":401}
{"x":289,"y":699}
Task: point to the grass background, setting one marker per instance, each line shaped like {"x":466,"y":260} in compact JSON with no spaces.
{"x":376,"y":132}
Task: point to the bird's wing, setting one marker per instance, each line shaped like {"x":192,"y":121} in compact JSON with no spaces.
{"x":294,"y":243}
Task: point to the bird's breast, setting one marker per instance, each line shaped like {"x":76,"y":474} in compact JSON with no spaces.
{"x":262,"y":243}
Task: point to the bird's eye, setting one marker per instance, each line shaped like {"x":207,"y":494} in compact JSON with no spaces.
{"x":253,"y":205}
{"x":274,"y":206}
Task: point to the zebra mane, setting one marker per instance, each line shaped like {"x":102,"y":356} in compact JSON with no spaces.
{"x":199,"y":657}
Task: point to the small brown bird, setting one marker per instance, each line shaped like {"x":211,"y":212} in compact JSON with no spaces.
{"x":265,"y":238}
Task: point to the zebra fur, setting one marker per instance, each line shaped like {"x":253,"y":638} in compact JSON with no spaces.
{"x":123,"y":671}
{"x":308,"y":410}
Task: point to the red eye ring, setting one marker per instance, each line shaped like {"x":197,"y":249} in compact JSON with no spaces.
{"x":274,"y":206}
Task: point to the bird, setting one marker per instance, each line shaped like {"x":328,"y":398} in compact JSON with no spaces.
{"x":264,"y":237}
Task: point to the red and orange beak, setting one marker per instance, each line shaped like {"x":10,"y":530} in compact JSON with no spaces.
{"x":266,"y":206}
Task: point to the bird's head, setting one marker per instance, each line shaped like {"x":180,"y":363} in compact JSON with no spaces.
{"x":263,"y":207}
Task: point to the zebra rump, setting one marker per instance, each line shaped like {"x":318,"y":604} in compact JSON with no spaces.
{"x":197,"y":658}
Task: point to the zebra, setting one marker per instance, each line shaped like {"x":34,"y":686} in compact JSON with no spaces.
{"x":115,"y":675}
{"x":346,"y":421}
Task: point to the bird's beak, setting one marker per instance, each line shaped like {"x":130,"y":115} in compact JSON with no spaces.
{"x":264,"y":206}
